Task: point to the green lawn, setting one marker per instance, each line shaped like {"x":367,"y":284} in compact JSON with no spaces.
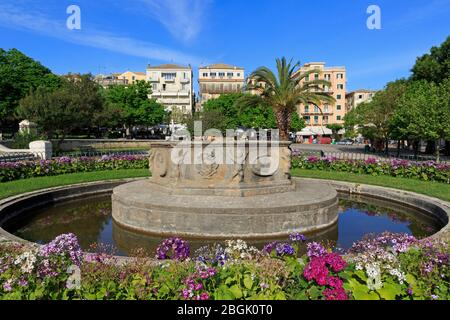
{"x":432,"y":189}
{"x":12,"y":188}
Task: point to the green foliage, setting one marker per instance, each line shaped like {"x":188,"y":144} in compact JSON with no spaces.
{"x":132,"y":105}
{"x":22,"y":140}
{"x":19,"y":75}
{"x":434,"y":66}
{"x":60,"y":111}
{"x":231,"y":111}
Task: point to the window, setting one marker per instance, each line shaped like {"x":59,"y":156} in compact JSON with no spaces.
{"x":164,"y":87}
{"x":133,"y":78}
{"x":325,"y":108}
{"x":238,"y":74}
{"x":307,"y":119}
{"x":229,"y":74}
{"x":155,"y":86}
{"x":338,"y":107}
{"x":184,"y":109}
{"x":306,"y":109}
{"x":316,"y":119}
{"x":325,"y":119}
{"x":340,"y":76}
{"x":316,"y":109}
{"x":213,"y":74}
{"x":221,"y":74}
{"x":327,"y":76}
{"x":340,"y":86}
{"x":239,"y":87}
{"x":338,"y":118}
{"x":307,"y":78}
{"x":360,"y":96}
{"x":339,"y":97}
{"x":205,"y":75}
{"x":316,"y":76}
{"x":169,"y":76}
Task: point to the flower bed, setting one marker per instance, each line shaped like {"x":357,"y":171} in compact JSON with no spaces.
{"x":427,"y":171}
{"x":10,"y":171}
{"x":387,"y":267}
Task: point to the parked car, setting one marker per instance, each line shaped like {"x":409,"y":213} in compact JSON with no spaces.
{"x":346,"y":142}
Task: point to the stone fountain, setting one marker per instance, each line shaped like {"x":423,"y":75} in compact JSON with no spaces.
{"x":223,"y":190}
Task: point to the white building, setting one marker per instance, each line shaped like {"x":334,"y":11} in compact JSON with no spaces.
{"x":172,"y":86}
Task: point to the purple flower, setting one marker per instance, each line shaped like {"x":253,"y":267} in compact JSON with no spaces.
{"x":297,"y":237}
{"x":315,"y":250}
{"x":173,"y":248}
{"x":7,"y":286}
{"x":284,"y":249}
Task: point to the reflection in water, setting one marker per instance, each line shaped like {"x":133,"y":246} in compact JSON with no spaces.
{"x":90,"y":219}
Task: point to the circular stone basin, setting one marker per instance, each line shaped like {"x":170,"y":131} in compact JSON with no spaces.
{"x":91,"y":220}
{"x":143,"y":207}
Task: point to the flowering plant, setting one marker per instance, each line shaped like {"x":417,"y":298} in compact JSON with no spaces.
{"x":10,"y":171}
{"x":173,"y":248}
{"x":428,"y":171}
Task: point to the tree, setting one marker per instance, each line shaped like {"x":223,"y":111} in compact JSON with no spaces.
{"x":424,"y":112}
{"x":211,"y":119}
{"x":335,"y":128}
{"x":60,"y":111}
{"x":286,"y":90}
{"x":373,"y":118}
{"x":226,"y":105}
{"x":253,"y":112}
{"x":434,"y":66}
{"x":248,"y":111}
{"x":133,"y":100}
{"x":19,"y":75}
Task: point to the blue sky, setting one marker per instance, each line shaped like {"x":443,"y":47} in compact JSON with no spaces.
{"x":119,"y":35}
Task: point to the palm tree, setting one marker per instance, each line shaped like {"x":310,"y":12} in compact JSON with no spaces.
{"x":285,"y":92}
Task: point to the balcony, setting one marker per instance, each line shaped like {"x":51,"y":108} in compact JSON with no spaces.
{"x":153,"y":79}
{"x":185,"y":80}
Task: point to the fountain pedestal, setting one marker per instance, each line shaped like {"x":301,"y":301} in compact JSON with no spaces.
{"x":242,"y":190}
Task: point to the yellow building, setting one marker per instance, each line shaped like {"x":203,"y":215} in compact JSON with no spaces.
{"x":131,"y":77}
{"x":326,"y":113}
{"x":217,"y":79}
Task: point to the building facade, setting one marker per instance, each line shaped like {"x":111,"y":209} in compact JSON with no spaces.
{"x":172,"y":86}
{"x":325,"y":114}
{"x":217,"y":79}
{"x":354,"y":98}
{"x":131,"y":77}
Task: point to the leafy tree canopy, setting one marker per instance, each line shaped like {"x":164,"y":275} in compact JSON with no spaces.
{"x":135,"y":105}
{"x":59,"y":111}
{"x":19,"y":75}
{"x":434,"y":66}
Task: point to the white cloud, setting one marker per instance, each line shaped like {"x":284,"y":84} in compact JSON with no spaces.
{"x":182,"y":18}
{"x":12,"y":16}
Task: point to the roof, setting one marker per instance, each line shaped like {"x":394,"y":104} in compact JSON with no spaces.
{"x":139,"y":73}
{"x":168,"y":66}
{"x":361,"y":90}
{"x":221,"y":66}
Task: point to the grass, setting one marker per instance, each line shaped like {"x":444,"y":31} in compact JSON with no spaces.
{"x":432,"y":189}
{"x":12,"y":188}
